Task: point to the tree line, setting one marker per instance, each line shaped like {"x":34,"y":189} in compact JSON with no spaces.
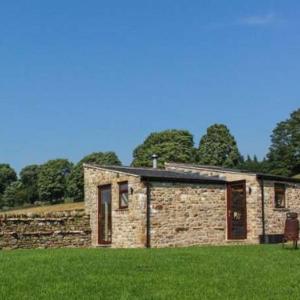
{"x":60,"y":180}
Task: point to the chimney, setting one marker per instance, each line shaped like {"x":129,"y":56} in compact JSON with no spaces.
{"x":154,"y":161}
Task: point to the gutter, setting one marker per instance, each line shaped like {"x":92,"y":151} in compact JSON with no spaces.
{"x":263,"y":211}
{"x":277,"y":178}
{"x":184,"y":180}
{"x":148,"y":213}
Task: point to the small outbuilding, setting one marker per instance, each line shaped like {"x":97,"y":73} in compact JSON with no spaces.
{"x":185,"y":205}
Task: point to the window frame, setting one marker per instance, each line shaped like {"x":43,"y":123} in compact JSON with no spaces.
{"x":121,"y":192}
{"x":281,"y":188}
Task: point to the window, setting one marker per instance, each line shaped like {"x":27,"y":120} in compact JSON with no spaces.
{"x":279,"y":195}
{"x":123,"y":194}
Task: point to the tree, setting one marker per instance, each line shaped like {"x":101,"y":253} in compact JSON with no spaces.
{"x":52,"y":179}
{"x":14,"y":195}
{"x":7,"y":176}
{"x":218,"y":148}
{"x":75,"y":184}
{"x":170,"y":146}
{"x":29,"y":179}
{"x":253,"y":165}
{"x":284,"y":153}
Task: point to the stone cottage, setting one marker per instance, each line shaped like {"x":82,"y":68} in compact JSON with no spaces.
{"x":185,"y":205}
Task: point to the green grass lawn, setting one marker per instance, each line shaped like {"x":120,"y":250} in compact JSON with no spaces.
{"x":232,"y":272}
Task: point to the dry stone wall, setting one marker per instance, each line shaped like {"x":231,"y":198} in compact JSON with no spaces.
{"x":53,"y":230}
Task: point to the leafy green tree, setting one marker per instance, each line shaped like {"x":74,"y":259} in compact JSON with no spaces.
{"x":254,"y":165}
{"x":14,"y":195}
{"x":29,"y":179}
{"x":52,"y":178}
{"x":75,"y":184}
{"x":218,"y":148}
{"x":284,"y":153}
{"x":170,"y":146}
{"x":7,"y":176}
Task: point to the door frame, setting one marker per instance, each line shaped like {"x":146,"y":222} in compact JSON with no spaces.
{"x":100,"y":188}
{"x":229,"y":219}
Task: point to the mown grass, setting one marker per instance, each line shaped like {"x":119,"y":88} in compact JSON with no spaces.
{"x":232,"y":272}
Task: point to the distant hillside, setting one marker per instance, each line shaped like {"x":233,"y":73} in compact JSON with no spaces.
{"x":46,"y":209}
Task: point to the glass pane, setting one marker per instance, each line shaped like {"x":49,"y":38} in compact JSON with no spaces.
{"x":279,"y":200}
{"x":123,"y":187}
{"x":238,"y":212}
{"x":105,"y":215}
{"x":279,"y":195}
{"x":124,"y":199}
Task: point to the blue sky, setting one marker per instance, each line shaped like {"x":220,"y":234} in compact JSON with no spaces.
{"x":84,"y":76}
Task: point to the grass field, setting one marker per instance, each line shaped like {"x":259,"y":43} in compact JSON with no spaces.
{"x":45,"y":209}
{"x":245,"y":272}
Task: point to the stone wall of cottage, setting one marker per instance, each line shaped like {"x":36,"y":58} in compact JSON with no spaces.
{"x":53,"y":230}
{"x":187,"y":214}
{"x":275,"y":217}
{"x":253,"y":194}
{"x":128,"y":225}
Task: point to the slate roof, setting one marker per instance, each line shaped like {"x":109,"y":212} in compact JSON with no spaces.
{"x":277,"y":178}
{"x":163,"y":175}
{"x":258,"y":175}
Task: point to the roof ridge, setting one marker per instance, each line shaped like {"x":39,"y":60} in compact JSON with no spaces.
{"x":129,"y":167}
